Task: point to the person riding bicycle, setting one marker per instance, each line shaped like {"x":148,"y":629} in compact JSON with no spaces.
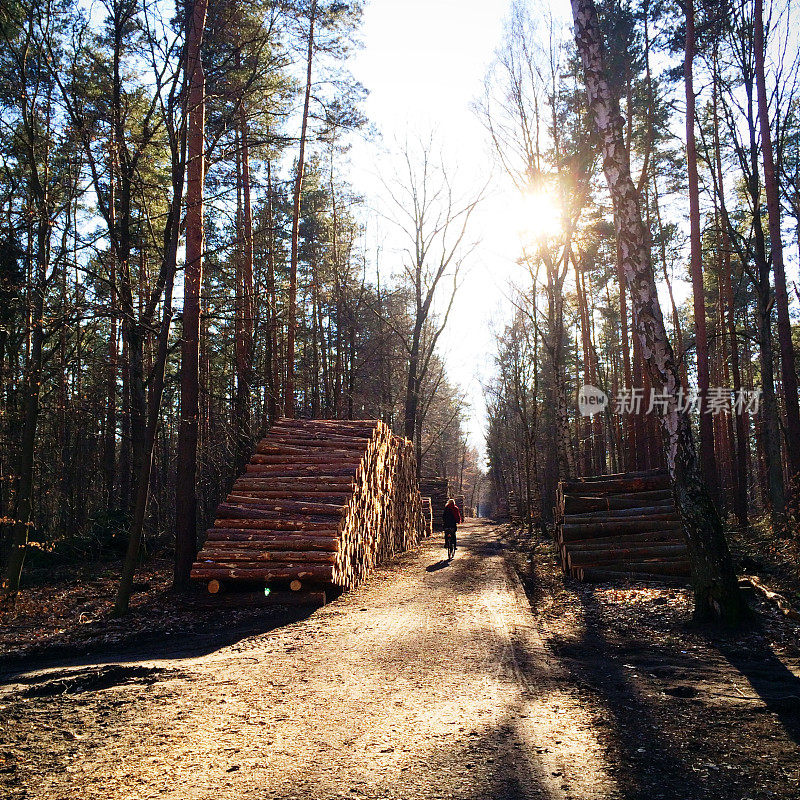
{"x":451,"y":516}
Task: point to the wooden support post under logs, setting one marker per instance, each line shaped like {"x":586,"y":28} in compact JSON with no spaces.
{"x":621,"y":526}
{"x":320,"y":504}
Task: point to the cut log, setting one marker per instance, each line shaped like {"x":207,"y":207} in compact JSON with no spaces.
{"x":779,"y":600}
{"x":625,"y":523}
{"x":214,"y":587}
{"x":322,"y":501}
{"x":570,"y":532}
{"x":277,"y":511}
{"x":288,"y":506}
{"x":255,"y":552}
{"x":633,"y":539}
{"x":276,"y":523}
{"x":318,"y":471}
{"x":265,"y":574}
{"x":619,"y":575}
{"x":337,"y":496}
{"x":585,"y":558}
{"x":309,"y":459}
{"x":577,"y":503}
{"x":438,"y":489}
{"x":331,"y":484}
{"x":615,"y":485}
{"x":665,"y":511}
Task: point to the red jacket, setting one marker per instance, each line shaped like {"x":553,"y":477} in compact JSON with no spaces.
{"x":451,"y":515}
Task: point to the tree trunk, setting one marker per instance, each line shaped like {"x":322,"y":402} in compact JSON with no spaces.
{"x":707,"y":460}
{"x":788,"y":373}
{"x":770,"y":424}
{"x":244,"y":345}
{"x":298,"y":186}
{"x":154,"y":409}
{"x":412,"y":385}
{"x":628,"y":423}
{"x":273,"y":380}
{"x":185,"y":483}
{"x":23,"y":506}
{"x":110,"y":437}
{"x":716,"y":592}
{"x":125,"y":434}
{"x":740,"y":467}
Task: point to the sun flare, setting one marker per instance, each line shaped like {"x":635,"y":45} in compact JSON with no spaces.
{"x":538,"y":216}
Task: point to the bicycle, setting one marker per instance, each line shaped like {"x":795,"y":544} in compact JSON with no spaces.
{"x":450,"y":543}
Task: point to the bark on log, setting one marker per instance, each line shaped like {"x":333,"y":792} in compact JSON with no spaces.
{"x":272,"y":540}
{"x":259,"y":553}
{"x":234,"y":572}
{"x":586,"y":558}
{"x":599,"y":575}
{"x":646,"y":483}
{"x":625,"y":513}
{"x":633,"y":539}
{"x":571,"y":533}
{"x":574,"y":504}
{"x":630,"y":515}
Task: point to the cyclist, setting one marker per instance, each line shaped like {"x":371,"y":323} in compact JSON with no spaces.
{"x":451,"y":516}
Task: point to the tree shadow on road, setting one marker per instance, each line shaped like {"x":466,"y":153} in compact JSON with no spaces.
{"x":215,"y":629}
{"x":652,"y":766}
{"x":777,"y":686}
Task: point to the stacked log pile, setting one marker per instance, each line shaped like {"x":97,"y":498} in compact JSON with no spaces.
{"x":438,"y":489}
{"x":622,"y":526}
{"x":321,"y":502}
{"x":427,"y":515}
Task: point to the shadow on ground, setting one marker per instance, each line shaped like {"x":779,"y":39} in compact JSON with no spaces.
{"x":776,"y":685}
{"x":220,"y":628}
{"x":654,"y":767}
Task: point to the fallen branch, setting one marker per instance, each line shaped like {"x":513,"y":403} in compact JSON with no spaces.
{"x":778,"y":599}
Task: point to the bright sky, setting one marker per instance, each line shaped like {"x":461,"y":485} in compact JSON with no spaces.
{"x":423,"y":77}
{"x":424,"y":62}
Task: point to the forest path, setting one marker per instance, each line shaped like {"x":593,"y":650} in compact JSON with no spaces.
{"x":430,"y":681}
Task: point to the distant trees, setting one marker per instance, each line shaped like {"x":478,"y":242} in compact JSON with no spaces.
{"x":119,"y":430}
{"x":434,"y":224}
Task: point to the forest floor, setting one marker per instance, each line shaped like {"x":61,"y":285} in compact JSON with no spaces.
{"x":489,"y":677}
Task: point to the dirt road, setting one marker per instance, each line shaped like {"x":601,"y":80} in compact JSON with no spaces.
{"x":428,"y":682}
{"x":433,"y":680}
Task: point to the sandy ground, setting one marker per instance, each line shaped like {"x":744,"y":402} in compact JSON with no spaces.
{"x":433,"y":680}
